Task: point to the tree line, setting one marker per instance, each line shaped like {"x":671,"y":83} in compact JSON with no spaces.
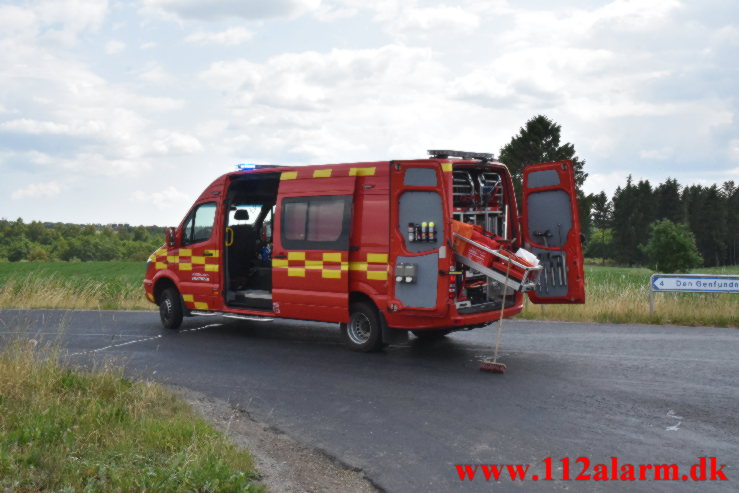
{"x":38,"y":241}
{"x":623,"y":225}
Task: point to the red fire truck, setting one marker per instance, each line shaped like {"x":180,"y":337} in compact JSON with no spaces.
{"x":382,"y":248}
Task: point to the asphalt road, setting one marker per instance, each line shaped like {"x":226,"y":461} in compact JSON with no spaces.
{"x":643,"y":394}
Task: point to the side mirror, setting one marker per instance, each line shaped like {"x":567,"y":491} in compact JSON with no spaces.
{"x":170,"y":237}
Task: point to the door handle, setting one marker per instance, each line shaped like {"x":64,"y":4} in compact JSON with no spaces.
{"x":208,"y":254}
{"x":279,"y":255}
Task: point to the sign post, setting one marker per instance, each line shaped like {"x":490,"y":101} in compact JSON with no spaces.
{"x":691,"y":283}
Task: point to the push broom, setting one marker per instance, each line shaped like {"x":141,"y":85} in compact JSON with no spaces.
{"x":493,"y":366}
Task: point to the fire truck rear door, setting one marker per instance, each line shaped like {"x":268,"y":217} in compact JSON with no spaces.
{"x":551,"y":230}
{"x":417,"y":198}
{"x":310,"y":259}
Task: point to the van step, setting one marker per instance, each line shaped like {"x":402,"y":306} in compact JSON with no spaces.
{"x":255,"y":318}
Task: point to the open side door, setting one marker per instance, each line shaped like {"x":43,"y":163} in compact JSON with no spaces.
{"x":310,"y":259}
{"x":551,"y":229}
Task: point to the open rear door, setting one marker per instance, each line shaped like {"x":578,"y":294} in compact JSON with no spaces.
{"x":551,"y":229}
{"x":310,"y":259}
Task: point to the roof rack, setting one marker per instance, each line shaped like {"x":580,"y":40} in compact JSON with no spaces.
{"x":443,"y":154}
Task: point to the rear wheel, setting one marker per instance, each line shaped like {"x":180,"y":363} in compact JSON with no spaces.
{"x":363,"y":332}
{"x":430,"y":335}
{"x":170,"y":309}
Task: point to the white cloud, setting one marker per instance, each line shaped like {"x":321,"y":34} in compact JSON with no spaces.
{"x":434,"y":19}
{"x":313,"y":80}
{"x":174,"y":143}
{"x":35,"y":127}
{"x":168,"y":198}
{"x":113,"y":47}
{"x":38,"y":190}
{"x":155,"y":73}
{"x":656,"y":154}
{"x":734,"y":152}
{"x":218,"y":9}
{"x":229,"y":37}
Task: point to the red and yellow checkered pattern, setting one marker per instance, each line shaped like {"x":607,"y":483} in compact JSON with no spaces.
{"x":298,"y":264}
{"x":375,"y":266}
{"x":332,"y":265}
{"x":182,"y":259}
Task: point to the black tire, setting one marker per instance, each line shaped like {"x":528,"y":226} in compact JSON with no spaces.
{"x":430,"y":335}
{"x":363,"y":332}
{"x":170,"y":309}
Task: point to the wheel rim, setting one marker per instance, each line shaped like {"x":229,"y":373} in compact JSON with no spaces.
{"x":166,"y":309}
{"x":359,"y":328}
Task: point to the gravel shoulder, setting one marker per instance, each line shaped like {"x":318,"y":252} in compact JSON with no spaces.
{"x":286,"y":466}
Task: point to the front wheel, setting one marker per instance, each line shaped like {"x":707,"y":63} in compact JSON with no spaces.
{"x":170,"y":309}
{"x":363,"y":332}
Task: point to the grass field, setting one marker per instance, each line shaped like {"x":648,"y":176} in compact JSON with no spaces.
{"x":79,"y":285}
{"x":614,"y":294}
{"x":621,"y":295}
{"x":96,"y":431}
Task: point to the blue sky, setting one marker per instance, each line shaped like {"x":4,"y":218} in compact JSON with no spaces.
{"x":123,"y":111}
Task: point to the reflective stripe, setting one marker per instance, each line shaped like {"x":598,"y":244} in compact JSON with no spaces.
{"x":322,"y":173}
{"x":332,"y":257}
{"x":288,"y":175}
{"x":446,"y":167}
{"x":377,"y":258}
{"x":377,"y":275}
{"x":362,"y":171}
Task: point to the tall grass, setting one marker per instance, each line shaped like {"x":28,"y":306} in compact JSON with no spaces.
{"x":621,"y":295}
{"x":67,"y":430}
{"x":75,"y":285}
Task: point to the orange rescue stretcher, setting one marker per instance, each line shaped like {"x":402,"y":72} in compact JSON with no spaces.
{"x":486,"y":256}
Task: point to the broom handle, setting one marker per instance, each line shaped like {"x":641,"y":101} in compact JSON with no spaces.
{"x":502,"y":308}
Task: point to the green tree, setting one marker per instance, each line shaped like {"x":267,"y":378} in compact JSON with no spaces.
{"x":38,"y":254}
{"x":539,"y":142}
{"x":671,"y":248}
{"x":667,"y":201}
{"x":601,"y":216}
{"x":731,"y":192}
{"x":17,"y":248}
{"x":707,"y":217}
{"x":633,"y":212}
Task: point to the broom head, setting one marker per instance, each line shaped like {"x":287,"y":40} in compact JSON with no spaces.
{"x":493,"y":366}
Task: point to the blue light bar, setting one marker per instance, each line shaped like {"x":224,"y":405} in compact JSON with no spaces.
{"x":246,"y":167}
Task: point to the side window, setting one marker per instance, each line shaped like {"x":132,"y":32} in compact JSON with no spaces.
{"x":199,"y":224}
{"x":316,"y":223}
